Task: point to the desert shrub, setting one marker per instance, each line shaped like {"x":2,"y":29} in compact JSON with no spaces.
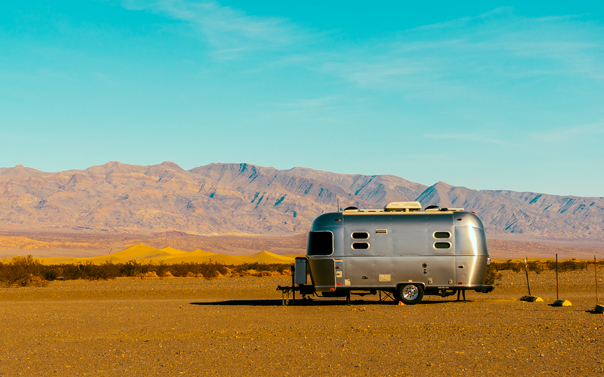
{"x":27,"y":271}
{"x":104,"y":271}
{"x":567,"y":265}
{"x":508,"y":265}
{"x":550,"y":264}
{"x":570,"y":265}
{"x":185,"y":269}
{"x":534,"y":267}
{"x":70,"y":272}
{"x":537,"y":267}
{"x":4,"y":270}
{"x":161,"y":269}
{"x":129,"y":268}
{"x":145,"y":269}
{"x":212,"y":270}
{"x":281,"y":268}
{"x":51,"y":273}
{"x":22,"y":272}
{"x":492,"y":275}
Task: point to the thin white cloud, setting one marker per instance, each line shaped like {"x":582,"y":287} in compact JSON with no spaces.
{"x":461,"y":59}
{"x":230,"y":31}
{"x":54,"y":74}
{"x":104,"y":78}
{"x":463,"y":21}
{"x":470,"y":56}
{"x":307,"y":103}
{"x":473,"y":138}
{"x":570,"y":133}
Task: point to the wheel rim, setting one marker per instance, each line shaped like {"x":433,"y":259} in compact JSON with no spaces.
{"x":410,"y":292}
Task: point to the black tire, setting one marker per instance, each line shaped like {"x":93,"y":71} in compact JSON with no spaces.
{"x":410,"y":294}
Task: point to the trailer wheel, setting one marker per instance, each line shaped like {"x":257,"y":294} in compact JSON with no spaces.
{"x":410,"y":294}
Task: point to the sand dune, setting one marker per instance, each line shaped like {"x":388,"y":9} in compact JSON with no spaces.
{"x":220,"y":258}
{"x":169,"y":255}
{"x":263,"y":256}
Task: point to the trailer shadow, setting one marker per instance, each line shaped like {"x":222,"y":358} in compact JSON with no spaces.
{"x":315,"y":302}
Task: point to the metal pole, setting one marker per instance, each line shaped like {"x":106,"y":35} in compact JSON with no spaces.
{"x":596,"y":275}
{"x":557,"y":298}
{"x":527,"y":279}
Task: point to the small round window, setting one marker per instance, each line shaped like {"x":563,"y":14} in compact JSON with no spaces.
{"x":360,"y":235}
{"x":360,"y":245}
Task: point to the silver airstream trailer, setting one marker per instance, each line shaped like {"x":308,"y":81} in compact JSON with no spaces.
{"x":401,"y":250}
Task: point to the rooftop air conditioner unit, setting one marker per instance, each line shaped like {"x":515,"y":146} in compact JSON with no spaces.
{"x":403,"y":206}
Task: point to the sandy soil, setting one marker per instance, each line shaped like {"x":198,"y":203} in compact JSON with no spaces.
{"x":237,"y":326}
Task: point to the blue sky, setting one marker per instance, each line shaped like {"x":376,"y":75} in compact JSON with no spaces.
{"x":486,"y":95}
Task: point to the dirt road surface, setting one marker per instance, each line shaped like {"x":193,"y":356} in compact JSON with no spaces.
{"x":238,"y":327}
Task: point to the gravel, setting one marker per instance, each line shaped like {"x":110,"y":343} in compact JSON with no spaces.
{"x":237,"y":326}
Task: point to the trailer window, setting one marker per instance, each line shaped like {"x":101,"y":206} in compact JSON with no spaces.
{"x":360,"y":245}
{"x":442,"y":234}
{"x":442,"y":245}
{"x":320,"y":243}
{"x":360,"y":235}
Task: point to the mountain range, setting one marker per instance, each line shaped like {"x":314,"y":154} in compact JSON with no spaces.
{"x":240,"y":198}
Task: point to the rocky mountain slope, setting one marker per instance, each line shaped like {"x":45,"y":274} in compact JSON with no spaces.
{"x":249,"y":199}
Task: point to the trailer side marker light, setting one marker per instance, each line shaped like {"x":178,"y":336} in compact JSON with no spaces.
{"x":339,"y":284}
{"x":460,"y":282}
{"x":332,"y":289}
{"x":338,"y":267}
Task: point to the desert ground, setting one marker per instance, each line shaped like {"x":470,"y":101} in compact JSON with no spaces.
{"x":238,"y":326}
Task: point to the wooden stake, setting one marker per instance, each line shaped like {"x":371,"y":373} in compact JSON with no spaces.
{"x":557,"y":297}
{"x":596,"y":275}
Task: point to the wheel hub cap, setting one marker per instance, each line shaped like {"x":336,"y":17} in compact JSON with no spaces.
{"x":410,"y":292}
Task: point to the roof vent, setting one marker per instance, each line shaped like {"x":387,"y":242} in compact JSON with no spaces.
{"x":403,"y":207}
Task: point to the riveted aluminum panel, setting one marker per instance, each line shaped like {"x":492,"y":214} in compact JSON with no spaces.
{"x":470,"y":237}
{"x":407,"y":234}
{"x":471,"y":270}
{"x":366,"y":271}
{"x":471,"y":250}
